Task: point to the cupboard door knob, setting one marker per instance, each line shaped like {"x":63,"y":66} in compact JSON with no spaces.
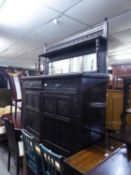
{"x":45,"y":84}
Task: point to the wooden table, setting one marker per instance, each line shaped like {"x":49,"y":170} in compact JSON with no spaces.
{"x":108,"y":157}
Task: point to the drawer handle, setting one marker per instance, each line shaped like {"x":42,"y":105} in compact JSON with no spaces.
{"x":58,"y":85}
{"x":45,"y":84}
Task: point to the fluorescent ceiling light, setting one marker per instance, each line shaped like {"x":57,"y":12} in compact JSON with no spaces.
{"x":123,"y":57}
{"x":119,"y":49}
{"x":4,"y":44}
{"x":2,"y":3}
{"x":55,"y":21}
{"x":18,"y":12}
{"x":117,"y":53}
{"x":121,"y":53}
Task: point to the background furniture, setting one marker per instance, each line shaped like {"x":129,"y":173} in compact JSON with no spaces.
{"x":16,"y":92}
{"x":3,"y":78}
{"x":119,"y":111}
{"x":114,"y":108}
{"x":118,"y":72}
{"x":126,"y":105}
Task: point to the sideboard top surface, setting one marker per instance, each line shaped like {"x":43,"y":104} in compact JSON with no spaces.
{"x":70,"y":75}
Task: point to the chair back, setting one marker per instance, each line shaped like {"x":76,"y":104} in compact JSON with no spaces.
{"x":11,"y":137}
{"x":32,"y":158}
{"x":52,"y":163}
{"x":16,"y":92}
{"x":15,"y":86}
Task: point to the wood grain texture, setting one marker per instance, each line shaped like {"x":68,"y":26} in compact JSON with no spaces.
{"x":88,"y":159}
{"x":114,"y":108}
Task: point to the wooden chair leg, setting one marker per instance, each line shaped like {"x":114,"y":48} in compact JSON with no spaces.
{"x":17,"y":165}
{"x":11,"y":110}
{"x":123,"y":120}
{"x":24,"y":166}
{"x":15,"y":109}
{"x":8,"y":166}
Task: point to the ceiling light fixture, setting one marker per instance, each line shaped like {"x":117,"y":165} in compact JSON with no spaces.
{"x":123,"y":57}
{"x":55,"y":21}
{"x":122,"y":48}
{"x":16,"y":13}
{"x":2,"y":3}
{"x":4,"y":44}
{"x":123,"y":52}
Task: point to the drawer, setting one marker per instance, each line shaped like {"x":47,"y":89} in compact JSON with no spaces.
{"x":66,"y":84}
{"x":33,"y":84}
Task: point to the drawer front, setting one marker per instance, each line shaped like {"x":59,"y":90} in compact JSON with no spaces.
{"x":66,"y":84}
{"x":33,"y":84}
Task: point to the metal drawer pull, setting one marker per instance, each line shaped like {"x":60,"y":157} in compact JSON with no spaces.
{"x":58,"y":85}
{"x":45,"y":84}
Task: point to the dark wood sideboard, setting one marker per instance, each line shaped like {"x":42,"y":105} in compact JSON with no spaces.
{"x":65,"y":112}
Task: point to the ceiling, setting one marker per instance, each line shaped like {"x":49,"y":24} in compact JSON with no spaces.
{"x":27,"y":25}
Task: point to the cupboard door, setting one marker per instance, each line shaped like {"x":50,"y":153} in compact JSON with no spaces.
{"x":56,"y":132}
{"x":114,"y":108}
{"x":32,"y":100}
{"x":56,"y":121}
{"x":33,"y":123}
{"x":32,"y":112}
{"x":61,"y":105}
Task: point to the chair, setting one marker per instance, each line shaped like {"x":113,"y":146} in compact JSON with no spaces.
{"x":33,"y":160}
{"x":16,"y":92}
{"x":52,"y":163}
{"x":15,"y":146}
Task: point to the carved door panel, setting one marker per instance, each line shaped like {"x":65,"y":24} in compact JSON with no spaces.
{"x":56,"y":125}
{"x":61,"y":105}
{"x":32,"y":100}
{"x":32,"y":112}
{"x":56,"y":133}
